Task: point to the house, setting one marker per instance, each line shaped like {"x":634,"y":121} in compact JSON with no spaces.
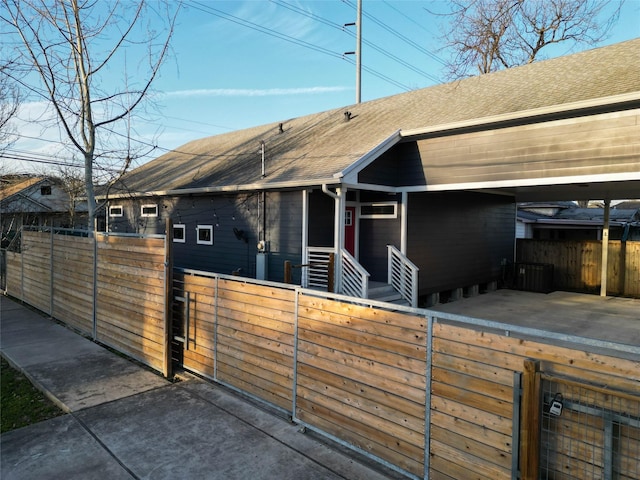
{"x":36,"y":201}
{"x":566,"y":221}
{"x":435,"y":174}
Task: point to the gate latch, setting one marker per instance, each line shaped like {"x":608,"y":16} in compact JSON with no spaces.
{"x":556,"y":405}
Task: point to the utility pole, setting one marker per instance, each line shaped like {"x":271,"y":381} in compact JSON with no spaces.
{"x":358,"y":51}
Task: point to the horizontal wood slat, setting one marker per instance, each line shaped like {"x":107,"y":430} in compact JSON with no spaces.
{"x":361,"y":372}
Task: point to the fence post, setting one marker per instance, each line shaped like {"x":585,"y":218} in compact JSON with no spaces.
{"x":427,"y":406}
{"x":94,"y":320}
{"x":168,"y":297}
{"x":287,"y":271}
{"x":51,"y":281}
{"x":530,"y":437}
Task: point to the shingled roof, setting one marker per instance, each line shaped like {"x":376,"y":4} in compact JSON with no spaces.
{"x":314,"y":149}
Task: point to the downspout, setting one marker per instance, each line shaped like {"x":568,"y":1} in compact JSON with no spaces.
{"x":305,"y":236}
{"x":605,"y":249}
{"x":403,"y":223}
{"x":338,"y":237}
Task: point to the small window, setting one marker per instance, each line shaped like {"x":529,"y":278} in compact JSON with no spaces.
{"x":205,"y":234}
{"x":149,"y":210}
{"x":115,"y":211}
{"x":348,"y":218}
{"x":179,"y":233}
{"x":45,"y":190}
{"x":379,"y":210}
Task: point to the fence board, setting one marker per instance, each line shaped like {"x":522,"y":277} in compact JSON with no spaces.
{"x":578,"y":264}
{"x":14,"y":274}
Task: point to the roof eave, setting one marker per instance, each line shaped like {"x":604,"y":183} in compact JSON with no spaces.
{"x":252,"y":187}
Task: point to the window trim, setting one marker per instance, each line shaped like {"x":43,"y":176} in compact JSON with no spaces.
{"x":183,"y":227}
{"x":149,"y":205}
{"x":394,"y":204}
{"x":205,"y":228}
{"x":112,"y":207}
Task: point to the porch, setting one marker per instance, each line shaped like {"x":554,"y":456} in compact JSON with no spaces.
{"x":608,"y":319}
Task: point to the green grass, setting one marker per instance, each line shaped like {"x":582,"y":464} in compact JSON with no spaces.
{"x":22,"y":404}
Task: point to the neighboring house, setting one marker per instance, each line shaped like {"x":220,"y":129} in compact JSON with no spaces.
{"x":565,"y":221}
{"x":434,"y":172}
{"x":36,"y":201}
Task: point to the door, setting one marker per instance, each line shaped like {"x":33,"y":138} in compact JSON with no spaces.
{"x":350,"y":230}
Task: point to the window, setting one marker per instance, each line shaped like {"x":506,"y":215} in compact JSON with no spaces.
{"x":179,"y":233}
{"x":149,"y":210}
{"x":115,"y":211}
{"x":45,"y":190}
{"x":205,"y":234}
{"x":348,"y":218}
{"x":379,"y":210}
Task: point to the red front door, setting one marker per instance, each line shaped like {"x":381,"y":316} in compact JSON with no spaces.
{"x":350,"y":230}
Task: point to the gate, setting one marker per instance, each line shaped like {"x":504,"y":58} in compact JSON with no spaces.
{"x":588,"y":431}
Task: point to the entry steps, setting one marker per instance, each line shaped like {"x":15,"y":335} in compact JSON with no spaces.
{"x":384,"y":292}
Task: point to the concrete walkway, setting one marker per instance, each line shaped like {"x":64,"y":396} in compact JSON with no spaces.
{"x":126,"y":422}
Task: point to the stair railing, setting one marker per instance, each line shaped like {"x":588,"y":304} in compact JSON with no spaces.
{"x":403,"y":275}
{"x":354,"y":277}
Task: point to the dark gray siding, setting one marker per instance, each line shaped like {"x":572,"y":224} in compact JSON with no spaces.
{"x":400,"y":166}
{"x":459,"y":239}
{"x":321,"y":219}
{"x":375,"y":235}
{"x":237,"y":222}
{"x":284,"y":232}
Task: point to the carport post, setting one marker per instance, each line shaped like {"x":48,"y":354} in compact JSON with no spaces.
{"x":168,"y":296}
{"x":604,"y":270}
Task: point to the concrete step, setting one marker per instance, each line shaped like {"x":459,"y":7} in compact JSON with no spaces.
{"x":386,"y":293}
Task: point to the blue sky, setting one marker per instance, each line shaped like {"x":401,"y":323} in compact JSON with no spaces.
{"x":230,"y":68}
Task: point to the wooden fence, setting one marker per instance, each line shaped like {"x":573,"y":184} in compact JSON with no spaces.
{"x":386,"y":383}
{"x":577,"y":264}
{"x":428,"y":394}
{"x":110,"y":288}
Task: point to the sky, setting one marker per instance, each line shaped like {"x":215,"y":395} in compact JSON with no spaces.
{"x":237,"y":64}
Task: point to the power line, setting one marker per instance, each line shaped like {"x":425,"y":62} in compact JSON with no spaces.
{"x":254,"y":26}
{"x":381,"y":50}
{"x":400,"y":36}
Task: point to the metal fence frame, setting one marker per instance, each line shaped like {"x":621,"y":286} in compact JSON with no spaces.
{"x":432,"y":317}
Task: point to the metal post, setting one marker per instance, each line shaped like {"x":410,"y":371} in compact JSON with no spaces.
{"x":215,"y":331}
{"x":51,"y":275}
{"x":94,"y":306}
{"x":168,"y":296}
{"x":295,"y":357}
{"x":427,"y":403}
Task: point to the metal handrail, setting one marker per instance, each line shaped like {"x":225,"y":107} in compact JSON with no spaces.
{"x":316,"y":275}
{"x":403,"y":275}
{"x":354,"y":277}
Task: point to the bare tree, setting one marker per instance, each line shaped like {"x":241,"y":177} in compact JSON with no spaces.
{"x":71,"y":180}
{"x":9,"y":102}
{"x":78,"y":50}
{"x":489,"y":35}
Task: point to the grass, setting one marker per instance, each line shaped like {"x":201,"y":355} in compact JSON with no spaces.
{"x":22,"y":404}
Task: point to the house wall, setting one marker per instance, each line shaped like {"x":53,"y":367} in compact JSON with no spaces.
{"x":459,"y":239}
{"x":376,"y":234}
{"x":238,"y":222}
{"x":321,"y":215}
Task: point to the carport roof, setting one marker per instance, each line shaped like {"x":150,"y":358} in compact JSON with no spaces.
{"x":318,"y":148}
